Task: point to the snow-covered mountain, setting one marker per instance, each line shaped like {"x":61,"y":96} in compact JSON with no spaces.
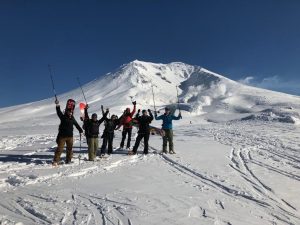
{"x":242,"y":172}
{"x":201,"y":92}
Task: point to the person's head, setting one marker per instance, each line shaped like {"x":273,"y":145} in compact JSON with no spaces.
{"x":113,"y":117}
{"x":144,"y":112}
{"x":69,"y":113}
{"x":167,"y":110}
{"x":127,"y":111}
{"x":94,"y":117}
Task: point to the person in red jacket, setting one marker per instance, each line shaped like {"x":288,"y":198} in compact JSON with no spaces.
{"x":126,"y":122}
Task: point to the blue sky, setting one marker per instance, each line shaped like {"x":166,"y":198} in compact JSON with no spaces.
{"x":254,"y":41}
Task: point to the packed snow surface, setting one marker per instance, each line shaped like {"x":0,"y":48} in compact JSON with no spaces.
{"x":237,"y":161}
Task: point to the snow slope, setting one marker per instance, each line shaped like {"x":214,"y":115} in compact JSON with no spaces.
{"x":237,"y":158}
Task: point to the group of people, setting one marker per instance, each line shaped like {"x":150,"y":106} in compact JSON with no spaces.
{"x":127,"y":120}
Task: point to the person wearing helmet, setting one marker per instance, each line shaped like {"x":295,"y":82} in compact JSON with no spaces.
{"x":65,"y":134}
{"x":92,"y":126}
{"x":126,"y":122}
{"x":108,"y":134}
{"x":167,"y":126}
{"x":144,"y":132}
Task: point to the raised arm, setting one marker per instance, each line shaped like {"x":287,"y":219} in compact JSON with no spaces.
{"x":134,"y":109}
{"x":86,"y":115}
{"x":151,"y":115}
{"x":104,"y":117}
{"x":102,"y":110}
{"x":158,"y":117}
{"x":58,"y":111}
{"x":177,"y":117}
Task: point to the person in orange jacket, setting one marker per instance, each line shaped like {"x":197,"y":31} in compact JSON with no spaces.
{"x":126,"y":122}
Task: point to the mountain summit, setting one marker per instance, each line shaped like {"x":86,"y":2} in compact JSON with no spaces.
{"x":201,"y":92}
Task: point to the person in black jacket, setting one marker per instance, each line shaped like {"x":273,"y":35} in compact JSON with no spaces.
{"x":108,"y":134}
{"x":92,"y":131}
{"x":65,"y":134}
{"x":143,"y":132}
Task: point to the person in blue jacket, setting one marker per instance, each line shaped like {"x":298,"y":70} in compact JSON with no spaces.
{"x":167,"y":126}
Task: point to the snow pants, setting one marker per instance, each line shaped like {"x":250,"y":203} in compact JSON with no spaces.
{"x":124,"y":133}
{"x":168,"y":138}
{"x":138,"y":140}
{"x":61,"y":141}
{"x":93,"y":144}
{"x":107,"y":140}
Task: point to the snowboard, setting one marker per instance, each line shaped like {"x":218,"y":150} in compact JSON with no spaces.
{"x":156,"y":131}
{"x":82,"y":107}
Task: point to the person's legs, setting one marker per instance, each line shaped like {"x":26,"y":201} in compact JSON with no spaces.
{"x":137,"y":143}
{"x":104,"y":144}
{"x":171,"y":145}
{"x":165,"y":141}
{"x":146,"y":142}
{"x":129,"y":131}
{"x":69,"y":156}
{"x":110,"y":143}
{"x":96,"y":146}
{"x":60,"y":147}
{"x":91,"y":149}
{"x":124,"y":132}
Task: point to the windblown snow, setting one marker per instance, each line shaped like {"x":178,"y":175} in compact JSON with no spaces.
{"x":237,"y":161}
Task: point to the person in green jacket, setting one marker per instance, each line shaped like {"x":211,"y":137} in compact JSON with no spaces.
{"x":167,"y":126}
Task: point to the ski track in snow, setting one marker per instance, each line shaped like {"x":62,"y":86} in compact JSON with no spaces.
{"x":253,"y":156}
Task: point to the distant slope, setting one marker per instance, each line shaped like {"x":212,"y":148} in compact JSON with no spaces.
{"x":202,"y":92}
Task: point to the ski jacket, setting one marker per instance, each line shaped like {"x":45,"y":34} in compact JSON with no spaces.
{"x":110,"y":125}
{"x":66,"y":124}
{"x":126,"y":119}
{"x":144,"y":122}
{"x":167,"y":120}
{"x":91,"y":126}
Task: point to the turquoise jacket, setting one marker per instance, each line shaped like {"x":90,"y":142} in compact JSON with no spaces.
{"x":167,"y":120}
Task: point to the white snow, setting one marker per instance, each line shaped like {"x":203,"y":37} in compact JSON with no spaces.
{"x":237,"y":161}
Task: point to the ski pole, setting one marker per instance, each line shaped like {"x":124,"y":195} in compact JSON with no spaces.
{"x":178,"y":99}
{"x":79,"y":157}
{"x":51,"y":77}
{"x":153,"y":99}
{"x":81,"y":89}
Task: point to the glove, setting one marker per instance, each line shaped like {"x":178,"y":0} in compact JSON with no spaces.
{"x":139,"y":111}
{"x":87,"y":106}
{"x":101,"y":106}
{"x":107,"y":110}
{"x":56,"y":102}
{"x":149,"y":110}
{"x":134,"y":103}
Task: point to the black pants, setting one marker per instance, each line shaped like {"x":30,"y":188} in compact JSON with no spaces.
{"x":138,"y":140}
{"x":124,"y":133}
{"x":107,"y":140}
